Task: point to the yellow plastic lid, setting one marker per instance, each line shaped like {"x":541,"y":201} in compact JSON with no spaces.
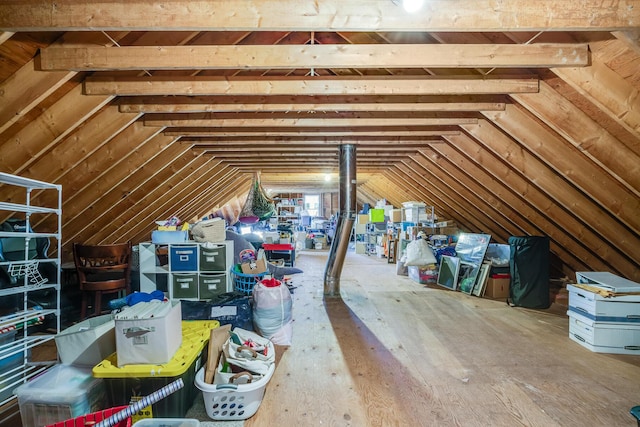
{"x":195,"y":336}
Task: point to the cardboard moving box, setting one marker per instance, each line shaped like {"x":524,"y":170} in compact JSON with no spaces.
{"x":254,"y":267}
{"x":497,"y":288}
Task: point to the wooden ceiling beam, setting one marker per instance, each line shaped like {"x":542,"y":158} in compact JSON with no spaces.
{"x":309,"y":15}
{"x":269,"y":57}
{"x":20,"y":151}
{"x":308,"y":143}
{"x":558,"y":189}
{"x":485,"y":169}
{"x":318,"y":135}
{"x":205,"y":85}
{"x":125,"y":190}
{"x":607,"y":193}
{"x":28,"y":87}
{"x":608,"y":90}
{"x":585,"y":134}
{"x":319,"y":122}
{"x":307,"y":107}
{"x":303,"y":147}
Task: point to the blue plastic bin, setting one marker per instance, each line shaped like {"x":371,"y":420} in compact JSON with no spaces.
{"x":244,"y":282}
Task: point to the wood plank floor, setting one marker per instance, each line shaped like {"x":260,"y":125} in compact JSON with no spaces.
{"x":392,"y":352}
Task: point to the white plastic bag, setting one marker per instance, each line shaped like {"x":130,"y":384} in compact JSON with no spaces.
{"x":249,"y":351}
{"x":419,"y":253}
{"x":272,"y":312}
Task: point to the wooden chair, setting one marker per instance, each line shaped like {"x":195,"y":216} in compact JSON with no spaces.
{"x":102,"y":269}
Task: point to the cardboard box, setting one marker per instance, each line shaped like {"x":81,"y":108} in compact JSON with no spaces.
{"x":362,"y":219}
{"x":395,"y":215}
{"x":497,"y":288}
{"x":254,"y":267}
{"x":604,"y":337}
{"x":449,"y":231}
{"x":148,"y":340}
{"x":87,"y":343}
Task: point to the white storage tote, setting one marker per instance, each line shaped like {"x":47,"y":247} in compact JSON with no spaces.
{"x":226,"y":402}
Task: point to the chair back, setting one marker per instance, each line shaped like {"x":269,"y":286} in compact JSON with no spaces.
{"x":103,"y":267}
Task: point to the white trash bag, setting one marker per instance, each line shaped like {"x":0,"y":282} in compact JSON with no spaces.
{"x":272,"y":311}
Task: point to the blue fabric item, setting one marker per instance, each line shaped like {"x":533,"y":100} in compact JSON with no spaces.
{"x":137,"y":297}
{"x":446,"y":250}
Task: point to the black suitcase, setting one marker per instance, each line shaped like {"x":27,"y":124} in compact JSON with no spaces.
{"x":529,"y":262}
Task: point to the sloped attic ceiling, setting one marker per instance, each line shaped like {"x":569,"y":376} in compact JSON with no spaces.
{"x":511,"y":118}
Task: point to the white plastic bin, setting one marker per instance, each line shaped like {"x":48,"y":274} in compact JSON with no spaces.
{"x":167,"y":422}
{"x":62,"y":392}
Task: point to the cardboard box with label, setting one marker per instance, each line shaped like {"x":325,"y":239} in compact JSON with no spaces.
{"x":254,"y":267}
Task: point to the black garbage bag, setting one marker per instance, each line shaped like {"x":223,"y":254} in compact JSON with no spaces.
{"x":232,"y":308}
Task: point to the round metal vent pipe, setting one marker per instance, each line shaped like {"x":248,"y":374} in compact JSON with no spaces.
{"x":345,"y":220}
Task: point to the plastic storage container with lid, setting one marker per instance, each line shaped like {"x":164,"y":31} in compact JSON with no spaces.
{"x":62,"y":392}
{"x":139,"y":380}
{"x":168,"y":422}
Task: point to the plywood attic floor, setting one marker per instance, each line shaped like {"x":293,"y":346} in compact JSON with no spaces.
{"x":392,"y":352}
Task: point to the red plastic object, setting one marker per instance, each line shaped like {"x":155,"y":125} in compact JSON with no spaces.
{"x":277,"y":246}
{"x":95,"y":417}
{"x":270,"y":283}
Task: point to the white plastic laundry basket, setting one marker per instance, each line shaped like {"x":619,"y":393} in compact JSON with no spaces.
{"x":224,"y":402}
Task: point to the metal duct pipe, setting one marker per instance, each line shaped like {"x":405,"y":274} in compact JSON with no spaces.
{"x":345,"y":220}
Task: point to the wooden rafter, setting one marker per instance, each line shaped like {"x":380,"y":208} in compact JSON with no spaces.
{"x":314,"y":56}
{"x":333,"y":135}
{"x":328,"y":15}
{"x":196,"y":85}
{"x":316,"y":122}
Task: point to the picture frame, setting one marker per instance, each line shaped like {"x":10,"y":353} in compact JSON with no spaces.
{"x":481,"y":282}
{"x":448,"y":272}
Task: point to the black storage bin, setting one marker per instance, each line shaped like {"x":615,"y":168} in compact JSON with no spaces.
{"x":529,"y":269}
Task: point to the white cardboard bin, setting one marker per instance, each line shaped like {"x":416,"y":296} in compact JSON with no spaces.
{"x":152,"y":341}
{"x":624,"y":308}
{"x":87,"y":343}
{"x":603,"y":337}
